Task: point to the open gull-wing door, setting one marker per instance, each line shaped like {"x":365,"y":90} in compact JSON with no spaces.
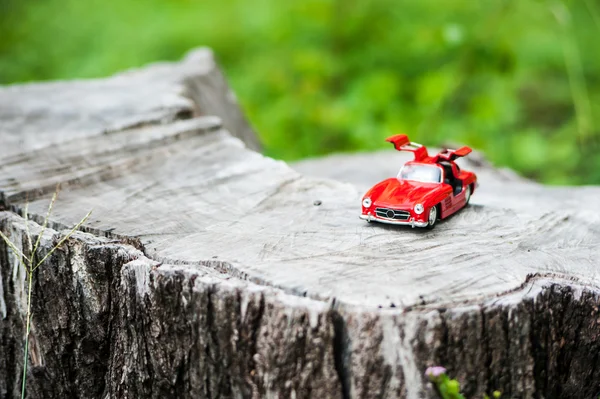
{"x":451,"y":155}
{"x":401,"y":142}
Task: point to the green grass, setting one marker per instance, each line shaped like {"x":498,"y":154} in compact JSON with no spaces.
{"x":30,"y":260}
{"x":519,"y":80}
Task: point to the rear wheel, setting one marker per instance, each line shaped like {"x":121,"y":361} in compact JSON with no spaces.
{"x":432,"y":217}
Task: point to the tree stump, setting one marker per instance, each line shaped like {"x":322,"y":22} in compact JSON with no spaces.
{"x":209,"y":270}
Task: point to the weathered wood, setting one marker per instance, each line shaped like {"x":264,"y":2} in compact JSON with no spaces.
{"x":33,"y":116}
{"x":207,"y":270}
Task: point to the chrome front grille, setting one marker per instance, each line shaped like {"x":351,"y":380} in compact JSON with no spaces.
{"x":392,"y":214}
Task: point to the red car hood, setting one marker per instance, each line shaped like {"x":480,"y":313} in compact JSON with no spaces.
{"x":406,"y":193}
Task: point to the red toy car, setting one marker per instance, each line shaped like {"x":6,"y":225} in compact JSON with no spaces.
{"x":426,"y":189}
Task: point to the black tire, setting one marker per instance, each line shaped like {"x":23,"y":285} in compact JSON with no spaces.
{"x":468,"y":193}
{"x":432,"y":216}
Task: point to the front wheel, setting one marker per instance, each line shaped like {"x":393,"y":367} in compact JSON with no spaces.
{"x":432,"y":218}
{"x":467,"y":195}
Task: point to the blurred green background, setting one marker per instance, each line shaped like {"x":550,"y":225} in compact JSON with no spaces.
{"x":519,"y":80}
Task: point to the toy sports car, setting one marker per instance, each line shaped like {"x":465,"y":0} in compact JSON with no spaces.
{"x":427,"y":189}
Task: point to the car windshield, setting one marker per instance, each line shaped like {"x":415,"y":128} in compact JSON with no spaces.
{"x":422,"y":173}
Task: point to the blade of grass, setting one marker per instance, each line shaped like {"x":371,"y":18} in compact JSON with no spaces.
{"x":593,"y":11}
{"x":37,"y":242}
{"x":15,"y":250}
{"x":28,"y":329}
{"x":575,"y":72}
{"x":30,"y":268}
{"x":29,"y":244}
{"x":65,"y":238}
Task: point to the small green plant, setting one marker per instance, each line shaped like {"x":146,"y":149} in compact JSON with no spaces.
{"x":495,"y":395}
{"x":31,"y":263}
{"x":448,"y":388}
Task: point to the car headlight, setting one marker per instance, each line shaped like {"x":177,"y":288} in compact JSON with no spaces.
{"x":419,"y":209}
{"x":367,"y":202}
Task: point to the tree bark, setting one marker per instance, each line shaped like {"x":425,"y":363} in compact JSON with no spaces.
{"x":209,"y":270}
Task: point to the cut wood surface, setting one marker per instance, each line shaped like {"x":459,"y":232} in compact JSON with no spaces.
{"x":210,"y":270}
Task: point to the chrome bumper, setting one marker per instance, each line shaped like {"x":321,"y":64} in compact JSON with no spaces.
{"x":410,"y":222}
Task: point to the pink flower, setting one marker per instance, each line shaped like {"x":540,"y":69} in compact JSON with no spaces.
{"x":434,"y":372}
